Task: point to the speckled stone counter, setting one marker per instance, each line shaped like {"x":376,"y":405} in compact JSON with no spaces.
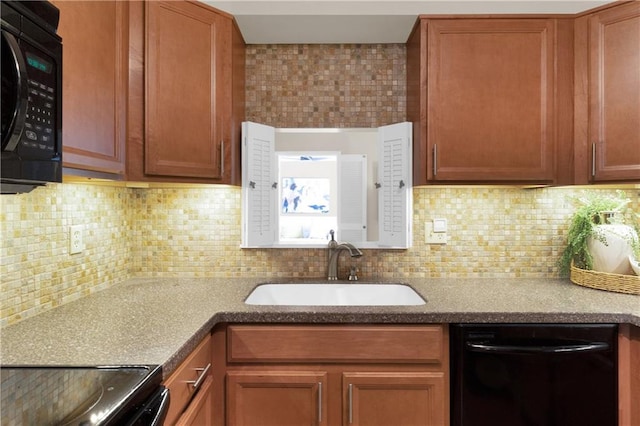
{"x":159,"y":321}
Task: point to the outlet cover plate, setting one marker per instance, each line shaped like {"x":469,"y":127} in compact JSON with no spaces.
{"x":75,"y":239}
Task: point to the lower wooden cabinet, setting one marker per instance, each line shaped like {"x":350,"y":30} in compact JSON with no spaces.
{"x":628,"y":375}
{"x":332,"y":374}
{"x":191,"y":389}
{"x":276,"y":398}
{"x":394,"y":398}
{"x":200,"y":410}
{"x":265,"y":397}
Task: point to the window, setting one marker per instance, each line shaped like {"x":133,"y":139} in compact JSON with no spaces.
{"x":307,"y":198}
{"x":298,"y":184}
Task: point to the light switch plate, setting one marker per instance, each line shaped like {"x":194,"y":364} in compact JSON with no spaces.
{"x":439,"y":225}
{"x":431,"y":237}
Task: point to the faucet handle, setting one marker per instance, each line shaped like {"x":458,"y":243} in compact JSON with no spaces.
{"x":353,"y":274}
{"x":333,"y":243}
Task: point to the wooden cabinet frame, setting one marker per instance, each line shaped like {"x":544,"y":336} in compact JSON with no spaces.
{"x":377,"y":360}
{"x":228,"y":100}
{"x":601,"y":156}
{"x":191,"y":388}
{"x":95,"y":78}
{"x":427,"y":53}
{"x":257,"y":394}
{"x":628,"y":375}
{"x":384,"y":398}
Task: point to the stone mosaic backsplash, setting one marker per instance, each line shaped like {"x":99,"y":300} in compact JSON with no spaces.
{"x":326,"y":85}
{"x":37,"y":272}
{"x":195,"y":232}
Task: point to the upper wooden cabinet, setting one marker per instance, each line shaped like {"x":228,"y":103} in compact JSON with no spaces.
{"x":484,"y":94}
{"x":608,"y":95}
{"x":186,"y":94}
{"x":95,"y":64}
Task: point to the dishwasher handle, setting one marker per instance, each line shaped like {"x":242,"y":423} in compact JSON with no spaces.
{"x":537,"y":349}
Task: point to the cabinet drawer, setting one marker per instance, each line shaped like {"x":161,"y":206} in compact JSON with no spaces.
{"x":334,"y":343}
{"x":181,"y":382}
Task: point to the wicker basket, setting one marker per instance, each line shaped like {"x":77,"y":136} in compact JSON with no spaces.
{"x":629,"y":284}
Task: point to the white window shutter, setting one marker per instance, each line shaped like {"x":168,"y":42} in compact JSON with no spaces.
{"x":258,"y":191}
{"x":352,"y":213}
{"x":395,"y":180}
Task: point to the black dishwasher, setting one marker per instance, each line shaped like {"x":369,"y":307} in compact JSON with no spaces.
{"x":534,"y":374}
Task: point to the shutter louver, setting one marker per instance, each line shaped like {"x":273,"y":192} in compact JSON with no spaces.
{"x":259,"y":195}
{"x":394,"y":174}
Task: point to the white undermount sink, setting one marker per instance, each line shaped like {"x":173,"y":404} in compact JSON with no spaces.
{"x":324,"y":294}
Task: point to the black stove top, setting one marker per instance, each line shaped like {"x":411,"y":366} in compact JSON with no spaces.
{"x":78,"y":396}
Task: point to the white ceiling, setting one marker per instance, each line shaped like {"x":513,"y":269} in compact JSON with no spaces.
{"x":364,"y":21}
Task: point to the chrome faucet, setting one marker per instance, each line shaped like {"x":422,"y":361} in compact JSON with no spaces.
{"x":334,"y":252}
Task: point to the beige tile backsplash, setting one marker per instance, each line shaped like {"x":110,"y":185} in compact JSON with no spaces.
{"x":37,"y":272}
{"x":195,"y":232}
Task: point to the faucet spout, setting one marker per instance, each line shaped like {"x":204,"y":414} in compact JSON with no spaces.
{"x":334,"y":253}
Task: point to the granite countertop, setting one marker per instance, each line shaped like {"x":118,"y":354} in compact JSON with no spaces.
{"x":161,"y":320}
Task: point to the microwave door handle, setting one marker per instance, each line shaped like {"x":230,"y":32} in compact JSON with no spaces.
{"x":533,"y":349}
{"x":19,"y":119}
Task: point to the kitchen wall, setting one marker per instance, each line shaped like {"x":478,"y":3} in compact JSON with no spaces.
{"x":195,"y":232}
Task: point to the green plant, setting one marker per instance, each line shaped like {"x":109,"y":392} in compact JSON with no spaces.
{"x":593,"y":209}
{"x":635,"y":222}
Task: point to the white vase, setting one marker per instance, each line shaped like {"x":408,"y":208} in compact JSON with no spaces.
{"x":612,"y":257}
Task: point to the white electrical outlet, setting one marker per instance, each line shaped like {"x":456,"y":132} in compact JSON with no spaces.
{"x":75,"y":239}
{"x":433,"y":237}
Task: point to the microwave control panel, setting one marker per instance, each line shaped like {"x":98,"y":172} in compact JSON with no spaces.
{"x":38,"y":137}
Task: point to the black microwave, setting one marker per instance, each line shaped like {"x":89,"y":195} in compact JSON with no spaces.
{"x":31,"y":96}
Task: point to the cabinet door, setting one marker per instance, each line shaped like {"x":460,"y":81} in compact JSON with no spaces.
{"x":200,"y":409}
{"x":614,"y":89}
{"x":408,"y":399}
{"x":277,"y":398}
{"x":186,"y":61}
{"x":490,"y":100}
{"x":94,"y":78}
